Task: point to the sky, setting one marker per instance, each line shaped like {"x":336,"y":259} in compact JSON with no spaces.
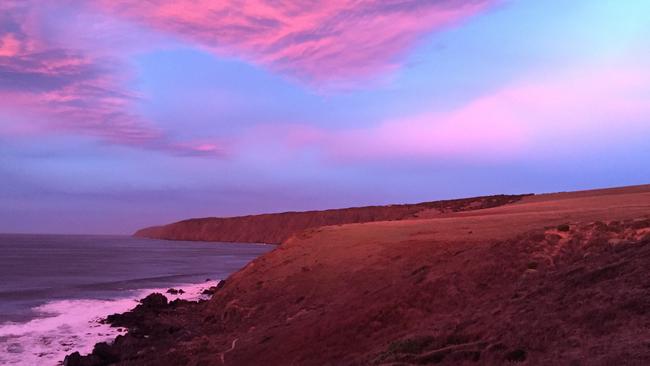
{"x":121,"y":114}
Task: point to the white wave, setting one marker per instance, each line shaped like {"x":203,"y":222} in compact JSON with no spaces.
{"x":73,"y":325}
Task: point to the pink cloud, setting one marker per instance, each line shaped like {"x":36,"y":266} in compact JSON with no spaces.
{"x":59,"y":90}
{"x":201,"y":148}
{"x":580,"y":108}
{"x":467,"y":133}
{"x":9,"y":45}
{"x":321,"y":41}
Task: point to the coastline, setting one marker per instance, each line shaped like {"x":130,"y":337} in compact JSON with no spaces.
{"x":549,"y":280}
{"x":156,"y":322}
{"x":70,"y":325}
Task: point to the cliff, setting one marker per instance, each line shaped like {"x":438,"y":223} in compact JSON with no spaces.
{"x":550,"y":280}
{"x":275,"y":228}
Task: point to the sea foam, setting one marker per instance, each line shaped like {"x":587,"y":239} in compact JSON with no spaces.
{"x":67,"y":326}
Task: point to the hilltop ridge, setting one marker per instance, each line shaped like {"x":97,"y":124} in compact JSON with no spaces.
{"x":275,"y":228}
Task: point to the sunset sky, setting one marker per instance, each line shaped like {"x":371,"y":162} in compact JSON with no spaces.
{"x":119,"y":114}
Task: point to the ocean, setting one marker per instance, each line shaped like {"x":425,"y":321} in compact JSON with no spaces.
{"x":54,"y":289}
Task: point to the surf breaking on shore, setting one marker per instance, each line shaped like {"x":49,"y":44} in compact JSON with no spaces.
{"x":64,"y":326}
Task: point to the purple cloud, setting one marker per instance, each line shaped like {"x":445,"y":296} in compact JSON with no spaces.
{"x":71,"y":90}
{"x":318,"y":41}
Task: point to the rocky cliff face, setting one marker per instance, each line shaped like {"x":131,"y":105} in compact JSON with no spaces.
{"x":275,"y":228}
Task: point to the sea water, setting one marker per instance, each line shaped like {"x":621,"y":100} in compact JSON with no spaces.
{"x":55,"y":289}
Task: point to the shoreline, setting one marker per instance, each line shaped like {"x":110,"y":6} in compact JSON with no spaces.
{"x":67,"y":325}
{"x":155,"y":322}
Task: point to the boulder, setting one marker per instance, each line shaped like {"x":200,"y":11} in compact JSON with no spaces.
{"x":154,"y":301}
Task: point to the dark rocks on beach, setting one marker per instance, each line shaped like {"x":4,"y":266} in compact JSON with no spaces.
{"x":155,"y":300}
{"x":105,"y":352}
{"x":152,"y":304}
{"x":150,"y":327}
{"x":73,"y":359}
{"x":102,"y":355}
{"x":210,"y":291}
{"x":174,"y":291}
